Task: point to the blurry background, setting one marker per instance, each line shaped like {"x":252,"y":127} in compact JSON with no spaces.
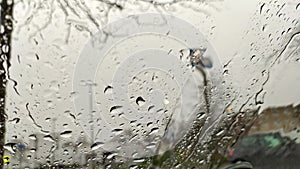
{"x":257,"y":43}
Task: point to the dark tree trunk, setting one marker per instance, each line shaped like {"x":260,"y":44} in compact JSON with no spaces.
{"x":6,"y":25}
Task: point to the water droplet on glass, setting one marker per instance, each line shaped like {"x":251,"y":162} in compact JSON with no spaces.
{"x":5,"y":48}
{"x":49,"y":138}
{"x":140,"y":101}
{"x":66,"y":134}
{"x":97,"y":145}
{"x":32,"y":137}
{"x":115,"y":109}
{"x":108,"y":90}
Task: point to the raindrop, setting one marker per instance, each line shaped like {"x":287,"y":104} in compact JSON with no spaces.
{"x":49,"y":138}
{"x":28,"y":157}
{"x":32,"y":137}
{"x":225,"y":72}
{"x":160,"y":111}
{"x":153,"y":130}
{"x":5,"y":48}
{"x":108,"y":89}
{"x":111,"y":156}
{"x":133,"y":167}
{"x":150,"y":123}
{"x":252,"y":57}
{"x":264,"y":27}
{"x":10,"y":147}
{"x":2,"y":29}
{"x":166,"y":101}
{"x":97,"y":145}
{"x":150,"y":108}
{"x":79,"y":144}
{"x":66,"y":152}
{"x":135,"y":79}
{"x":140,"y":101}
{"x":133,"y":122}
{"x":37,"y":57}
{"x":117,"y":131}
{"x":15,"y":120}
{"x":9,"y":2}
{"x":32,"y":150}
{"x":220,"y":132}
{"x":261,"y":8}
{"x":66,"y":134}
{"x":139,"y":160}
{"x":114,"y":109}
{"x":35,"y":41}
{"x":150,"y":146}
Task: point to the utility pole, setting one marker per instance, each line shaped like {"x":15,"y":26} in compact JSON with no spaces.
{"x":91,"y":111}
{"x":6,"y":26}
{"x":91,"y":122}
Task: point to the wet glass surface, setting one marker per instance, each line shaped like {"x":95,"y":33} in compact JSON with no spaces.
{"x":147,"y":84}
